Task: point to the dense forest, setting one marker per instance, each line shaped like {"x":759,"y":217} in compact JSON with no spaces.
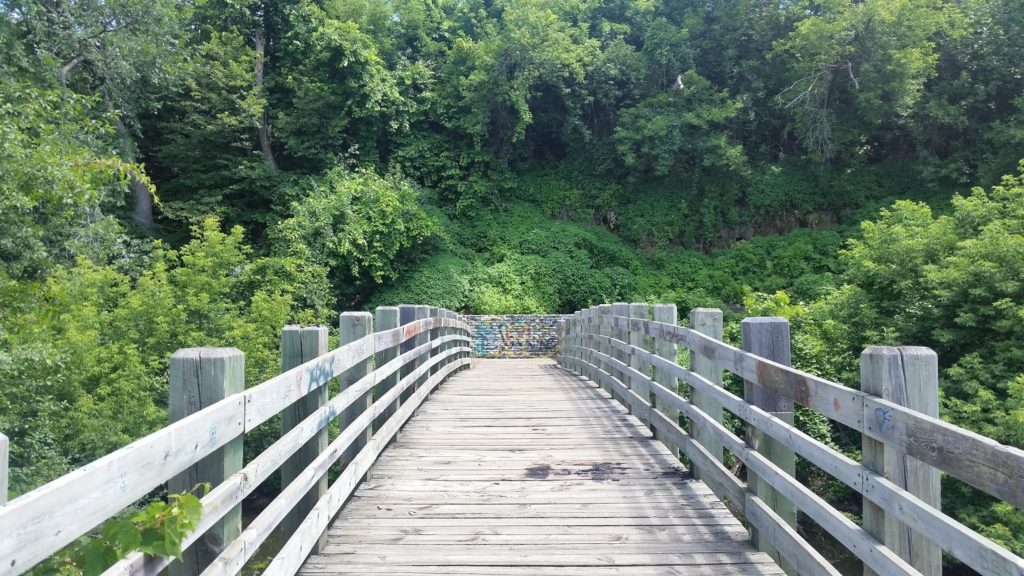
{"x":195,"y":173}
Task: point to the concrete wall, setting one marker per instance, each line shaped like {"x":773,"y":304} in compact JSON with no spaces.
{"x":515,"y":336}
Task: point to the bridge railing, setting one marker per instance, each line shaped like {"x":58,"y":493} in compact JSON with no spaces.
{"x":385,"y":375}
{"x":631,"y":350}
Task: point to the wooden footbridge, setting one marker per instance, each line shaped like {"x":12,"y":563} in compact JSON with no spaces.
{"x":613,"y":459}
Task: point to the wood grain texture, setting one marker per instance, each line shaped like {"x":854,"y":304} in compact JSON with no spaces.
{"x":353,"y":326}
{"x":907,"y":376}
{"x":298,"y":346}
{"x":199,"y":378}
{"x":5,"y":454}
{"x":555,"y":478}
{"x":768,"y":337}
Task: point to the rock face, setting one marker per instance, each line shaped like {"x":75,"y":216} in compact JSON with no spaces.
{"x":515,"y":336}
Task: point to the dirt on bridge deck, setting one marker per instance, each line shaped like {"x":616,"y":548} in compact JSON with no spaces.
{"x":518,"y":467}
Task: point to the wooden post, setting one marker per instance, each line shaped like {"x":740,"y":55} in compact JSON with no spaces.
{"x":5,"y":468}
{"x":575,"y":329}
{"x":707,"y":321}
{"x":908,"y":376}
{"x":603,"y":311}
{"x":298,"y":346}
{"x":351,"y":327}
{"x":637,"y":338}
{"x":768,"y":337}
{"x":620,"y":309}
{"x":422,"y":313}
{"x":201,"y":377}
{"x":591,"y":345}
{"x":434,"y":334}
{"x":386,"y":319}
{"x":406,"y":315}
{"x":667,"y":314}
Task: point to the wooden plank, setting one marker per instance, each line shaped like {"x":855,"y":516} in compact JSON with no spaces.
{"x":705,"y":570}
{"x":231,"y":492}
{"x":442,"y":499}
{"x":298,"y":346}
{"x":298,"y":547}
{"x":234,"y":557}
{"x":783,"y":537}
{"x":835,"y":401}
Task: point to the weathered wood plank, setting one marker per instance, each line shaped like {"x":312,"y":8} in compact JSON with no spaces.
{"x":494,"y":493}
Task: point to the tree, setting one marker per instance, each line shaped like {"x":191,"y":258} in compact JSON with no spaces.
{"x":125,"y":52}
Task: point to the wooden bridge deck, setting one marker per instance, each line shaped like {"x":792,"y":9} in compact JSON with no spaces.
{"x":517,"y":467}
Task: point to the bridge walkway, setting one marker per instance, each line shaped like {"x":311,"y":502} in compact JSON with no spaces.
{"x":518,"y":467}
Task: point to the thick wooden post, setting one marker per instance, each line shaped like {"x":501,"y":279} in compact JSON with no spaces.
{"x":386,"y":319}
{"x":908,"y":376}
{"x":604,"y":311}
{"x":768,"y":337}
{"x":201,"y":377}
{"x":422,"y":313}
{"x":434,"y":334}
{"x":637,"y":339}
{"x":298,"y":346}
{"x":707,"y":321}
{"x":666,"y":314}
{"x":620,"y":309}
{"x":351,"y":327}
{"x":575,"y":329}
{"x":406,"y":315}
{"x":5,"y":468}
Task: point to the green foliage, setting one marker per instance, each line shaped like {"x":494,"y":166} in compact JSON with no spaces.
{"x":59,"y":176}
{"x":157,"y":530}
{"x":83,"y":354}
{"x":360,"y":226}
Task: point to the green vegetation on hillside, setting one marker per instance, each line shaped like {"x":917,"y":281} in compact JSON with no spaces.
{"x":178,"y":174}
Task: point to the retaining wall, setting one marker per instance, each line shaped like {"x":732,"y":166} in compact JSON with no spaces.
{"x":515,"y":336}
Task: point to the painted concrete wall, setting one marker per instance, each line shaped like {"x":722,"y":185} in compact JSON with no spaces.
{"x":515,"y":336}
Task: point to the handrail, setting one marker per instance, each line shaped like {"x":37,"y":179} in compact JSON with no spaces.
{"x":43,"y":521}
{"x":589,"y":347}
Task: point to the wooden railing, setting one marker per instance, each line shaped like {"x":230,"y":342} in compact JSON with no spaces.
{"x":385,"y":375}
{"x":631,"y":351}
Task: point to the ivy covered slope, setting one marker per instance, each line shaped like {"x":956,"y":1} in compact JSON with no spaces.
{"x":200,"y":174}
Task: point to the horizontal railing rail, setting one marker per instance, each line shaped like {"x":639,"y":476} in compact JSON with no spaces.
{"x":634,"y":357}
{"x":424,"y":347}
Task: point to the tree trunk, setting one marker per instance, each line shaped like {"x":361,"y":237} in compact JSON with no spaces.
{"x":143,"y":212}
{"x":260,"y":44}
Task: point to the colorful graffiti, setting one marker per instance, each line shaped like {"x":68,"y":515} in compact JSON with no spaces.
{"x":515,"y":336}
